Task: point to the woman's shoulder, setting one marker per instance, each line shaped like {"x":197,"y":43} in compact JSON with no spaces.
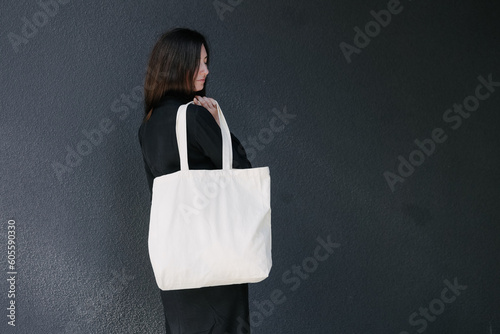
{"x":162,"y":117}
{"x":168,"y":108}
{"x":200,"y":115}
{"x":166,"y":113}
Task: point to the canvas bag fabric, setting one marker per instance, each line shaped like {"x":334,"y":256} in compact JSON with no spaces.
{"x":210,"y":227}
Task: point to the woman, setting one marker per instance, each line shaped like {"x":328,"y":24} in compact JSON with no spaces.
{"x":176,"y":75}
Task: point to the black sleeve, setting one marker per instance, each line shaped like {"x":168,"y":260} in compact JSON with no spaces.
{"x":149,"y":174}
{"x":209,"y":140}
{"x":240,"y":159}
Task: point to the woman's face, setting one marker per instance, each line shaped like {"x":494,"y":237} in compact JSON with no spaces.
{"x":199,"y":78}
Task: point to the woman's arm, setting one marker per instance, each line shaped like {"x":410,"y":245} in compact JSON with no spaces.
{"x":209,"y":104}
{"x":208,"y":139}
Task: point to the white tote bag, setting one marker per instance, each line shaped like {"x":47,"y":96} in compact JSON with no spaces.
{"x":210,"y":227}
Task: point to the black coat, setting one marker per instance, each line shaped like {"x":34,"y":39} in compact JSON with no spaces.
{"x":216,"y":310}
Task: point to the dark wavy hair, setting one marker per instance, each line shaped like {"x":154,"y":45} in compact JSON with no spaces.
{"x":172,"y":65}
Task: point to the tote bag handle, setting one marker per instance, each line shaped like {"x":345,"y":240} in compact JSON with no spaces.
{"x":181,"y":133}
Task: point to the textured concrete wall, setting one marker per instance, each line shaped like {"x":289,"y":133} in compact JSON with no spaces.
{"x":376,"y":119}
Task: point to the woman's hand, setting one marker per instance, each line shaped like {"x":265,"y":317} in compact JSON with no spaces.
{"x":209,"y":104}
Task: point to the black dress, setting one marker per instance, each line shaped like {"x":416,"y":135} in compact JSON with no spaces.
{"x":215,"y":310}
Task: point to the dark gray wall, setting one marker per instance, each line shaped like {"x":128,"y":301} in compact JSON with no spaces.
{"x":81,"y":222}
